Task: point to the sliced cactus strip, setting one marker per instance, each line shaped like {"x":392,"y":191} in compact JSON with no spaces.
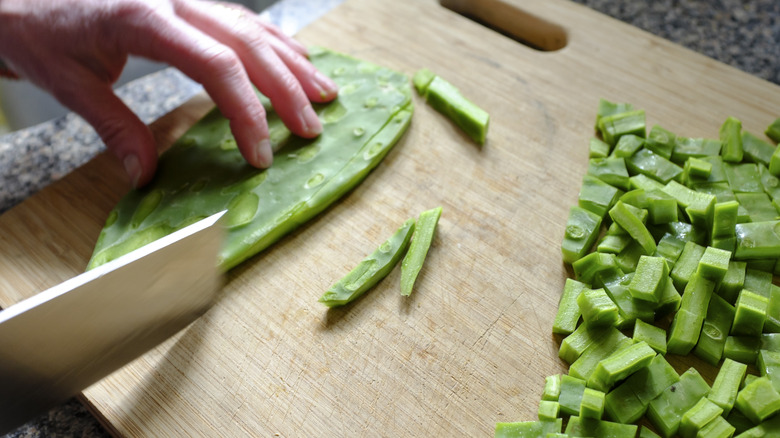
{"x":204,"y":173}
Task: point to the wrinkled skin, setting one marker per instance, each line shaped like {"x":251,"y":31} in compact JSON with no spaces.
{"x":76,"y":49}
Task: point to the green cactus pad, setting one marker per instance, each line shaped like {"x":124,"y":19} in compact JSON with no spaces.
{"x":204,"y":173}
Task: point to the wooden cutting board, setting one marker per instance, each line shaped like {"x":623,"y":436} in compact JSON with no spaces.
{"x":473,"y":344}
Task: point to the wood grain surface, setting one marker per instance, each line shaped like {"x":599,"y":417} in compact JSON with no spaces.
{"x":473,"y":344}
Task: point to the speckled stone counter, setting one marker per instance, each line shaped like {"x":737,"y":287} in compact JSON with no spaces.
{"x":742,"y":33}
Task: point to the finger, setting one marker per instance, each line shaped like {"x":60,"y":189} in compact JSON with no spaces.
{"x":214,"y":65}
{"x":120,"y":129}
{"x":251,"y":42}
{"x":317,"y":86}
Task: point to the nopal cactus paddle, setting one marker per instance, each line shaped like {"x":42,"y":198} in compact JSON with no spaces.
{"x":204,"y":173}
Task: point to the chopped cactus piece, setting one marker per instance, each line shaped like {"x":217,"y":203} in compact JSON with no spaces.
{"x":371,"y":270}
{"x":448,"y":100}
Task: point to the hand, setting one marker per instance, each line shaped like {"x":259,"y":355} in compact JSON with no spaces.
{"x":76,"y":49}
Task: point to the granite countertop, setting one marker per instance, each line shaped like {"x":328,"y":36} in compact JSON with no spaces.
{"x":742,"y":33}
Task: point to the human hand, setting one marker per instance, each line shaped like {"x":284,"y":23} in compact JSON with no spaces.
{"x":76,"y":49}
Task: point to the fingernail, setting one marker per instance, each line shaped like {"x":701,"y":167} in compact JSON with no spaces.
{"x":325,"y":85}
{"x":310,"y":121}
{"x":264,"y":156}
{"x":133,"y":168}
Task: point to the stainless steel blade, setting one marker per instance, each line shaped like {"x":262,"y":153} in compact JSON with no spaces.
{"x":58,"y":342}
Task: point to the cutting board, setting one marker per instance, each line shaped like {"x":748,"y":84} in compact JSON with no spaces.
{"x":473,"y":344}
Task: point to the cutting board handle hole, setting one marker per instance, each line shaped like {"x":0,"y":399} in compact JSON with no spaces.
{"x":508,"y":20}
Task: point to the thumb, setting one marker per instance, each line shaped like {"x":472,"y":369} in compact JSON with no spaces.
{"x":121,"y":130}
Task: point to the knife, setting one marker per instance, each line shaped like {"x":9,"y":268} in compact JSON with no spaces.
{"x":58,"y":342}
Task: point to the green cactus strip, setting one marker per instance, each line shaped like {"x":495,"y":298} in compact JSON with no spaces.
{"x":371,"y":270}
{"x":204,"y":173}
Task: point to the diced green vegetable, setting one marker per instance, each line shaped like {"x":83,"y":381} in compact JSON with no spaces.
{"x":614,"y":126}
{"x":607,"y":108}
{"x":686,"y":147}
{"x":724,"y":219}
{"x":670,"y":300}
{"x":552,"y":388}
{"x":614,"y":243}
{"x":770,"y":182}
{"x":670,"y":247}
{"x":773,"y":130}
{"x":371,"y":270}
{"x":743,"y":178}
{"x":649,"y":279}
{"x":645,"y":432}
{"x":612,"y":341}
{"x":661,"y":141}
{"x":424,"y":231}
{"x":715,"y":330}
{"x":598,"y":149}
{"x":667,"y":409}
{"x":726,"y":385}
{"x":750,"y":314}
{"x":646,"y":162}
{"x":742,"y":348}
{"x":714,"y":264}
{"x":568,"y":310}
{"x":582,"y":229}
{"x":527,"y":429}
{"x":772,"y":323}
{"x":597,"y":308}
{"x":687,"y":264}
{"x":758,"y":400}
{"x":684,"y":332}
{"x":731,"y":137}
{"x":630,"y":308}
{"x":592,"y":405}
{"x":732,"y":282}
{"x":758,"y":282}
{"x":596,"y":195}
{"x":448,"y":100}
{"x":643,"y":182}
{"x":611,"y":170}
{"x":697,"y":205}
{"x":623,"y":405}
{"x":717,"y":428}
{"x":576,"y":343}
{"x":627,"y":145}
{"x":696,"y":169}
{"x":204,"y":173}
{"x":570,"y":398}
{"x":620,"y":365}
{"x":756,"y":150}
{"x":595,"y":266}
{"x":758,"y":205}
{"x":654,"y":336}
{"x":768,"y":365}
{"x":548,"y":410}
{"x":770,"y":341}
{"x":589,"y":427}
{"x":694,"y":420}
{"x":421,"y":79}
{"x":633,"y":225}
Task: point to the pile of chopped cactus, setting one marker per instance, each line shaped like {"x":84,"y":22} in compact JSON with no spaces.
{"x":674,"y":245}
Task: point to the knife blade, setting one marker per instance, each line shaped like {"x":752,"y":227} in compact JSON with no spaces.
{"x":58,"y":342}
